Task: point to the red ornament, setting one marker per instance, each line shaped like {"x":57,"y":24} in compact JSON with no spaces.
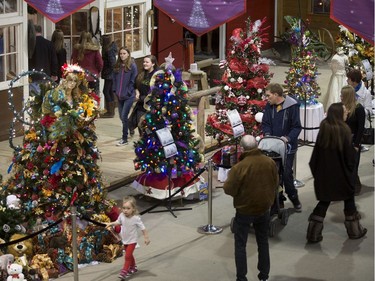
{"x":236,"y":33}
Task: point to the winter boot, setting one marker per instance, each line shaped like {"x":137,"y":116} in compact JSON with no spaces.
{"x":354,"y":229}
{"x":314,"y":230}
{"x":110,"y":106}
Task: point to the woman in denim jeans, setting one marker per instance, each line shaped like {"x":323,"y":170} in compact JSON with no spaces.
{"x":124,"y":74}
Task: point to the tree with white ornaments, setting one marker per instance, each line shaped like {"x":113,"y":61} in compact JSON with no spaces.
{"x":246,"y":74}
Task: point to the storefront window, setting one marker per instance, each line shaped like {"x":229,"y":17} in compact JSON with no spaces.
{"x":8,"y":52}
{"x":321,"y":6}
{"x":125,"y":23}
{"x":8,"y":6}
{"x":72,"y":27}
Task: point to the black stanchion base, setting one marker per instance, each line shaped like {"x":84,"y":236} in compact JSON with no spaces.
{"x":169,"y":209}
{"x":305,"y":143}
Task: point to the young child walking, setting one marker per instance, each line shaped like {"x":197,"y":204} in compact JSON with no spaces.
{"x":130,"y":221}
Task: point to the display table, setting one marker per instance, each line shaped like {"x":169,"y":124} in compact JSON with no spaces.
{"x":156,"y":185}
{"x":314,"y":115}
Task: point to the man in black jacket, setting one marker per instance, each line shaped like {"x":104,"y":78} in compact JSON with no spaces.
{"x":43,"y":58}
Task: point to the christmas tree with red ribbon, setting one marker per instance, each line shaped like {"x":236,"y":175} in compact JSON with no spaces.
{"x":242,"y":85}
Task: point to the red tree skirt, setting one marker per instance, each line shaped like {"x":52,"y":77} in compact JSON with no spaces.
{"x":156,"y":185}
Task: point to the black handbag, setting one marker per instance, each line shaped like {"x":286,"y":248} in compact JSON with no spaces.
{"x":368,"y":134}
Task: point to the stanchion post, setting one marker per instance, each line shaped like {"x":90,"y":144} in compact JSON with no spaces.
{"x":73,"y":211}
{"x":297,"y":183}
{"x":209,"y":228}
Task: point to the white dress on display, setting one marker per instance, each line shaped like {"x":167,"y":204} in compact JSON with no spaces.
{"x":338,"y":78}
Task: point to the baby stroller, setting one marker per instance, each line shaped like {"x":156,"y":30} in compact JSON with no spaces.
{"x":275,"y":148}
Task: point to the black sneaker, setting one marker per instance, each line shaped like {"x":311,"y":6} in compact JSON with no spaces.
{"x":296,"y":204}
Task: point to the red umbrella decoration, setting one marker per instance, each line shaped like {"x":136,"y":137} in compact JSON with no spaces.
{"x":201,"y":16}
{"x":357,"y":16}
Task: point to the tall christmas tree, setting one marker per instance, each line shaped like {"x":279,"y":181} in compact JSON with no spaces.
{"x":243,"y":82}
{"x":56,"y":166}
{"x":301,"y":77}
{"x":168,"y":108}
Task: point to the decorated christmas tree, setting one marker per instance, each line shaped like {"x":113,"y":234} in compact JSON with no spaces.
{"x":168,"y":147}
{"x":242,"y":86}
{"x":56,"y":165}
{"x":301,"y":77}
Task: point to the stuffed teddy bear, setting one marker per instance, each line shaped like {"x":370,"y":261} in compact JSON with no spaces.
{"x":21,"y":248}
{"x":15,"y":272}
{"x":5,"y":260}
{"x":22,"y":251}
{"x":13,"y":202}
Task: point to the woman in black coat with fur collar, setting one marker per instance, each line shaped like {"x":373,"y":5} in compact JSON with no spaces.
{"x":332,"y":165}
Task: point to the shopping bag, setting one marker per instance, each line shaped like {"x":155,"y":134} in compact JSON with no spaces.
{"x":368,"y":133}
{"x":368,"y":136}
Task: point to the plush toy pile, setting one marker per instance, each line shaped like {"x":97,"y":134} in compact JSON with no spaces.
{"x":49,"y":254}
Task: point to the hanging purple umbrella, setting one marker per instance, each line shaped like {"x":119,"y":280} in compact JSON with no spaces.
{"x":201,"y":16}
{"x":357,"y":16}
{"x":56,"y":10}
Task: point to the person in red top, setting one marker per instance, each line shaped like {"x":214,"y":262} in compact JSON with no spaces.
{"x":86,"y":54}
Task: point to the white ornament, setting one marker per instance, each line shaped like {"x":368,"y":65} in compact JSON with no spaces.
{"x":226,"y":87}
{"x":259,"y":117}
{"x":169,"y":61}
{"x":259,"y":91}
{"x":257,"y":138}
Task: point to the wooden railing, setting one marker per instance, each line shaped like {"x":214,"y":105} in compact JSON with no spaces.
{"x":200,"y":96}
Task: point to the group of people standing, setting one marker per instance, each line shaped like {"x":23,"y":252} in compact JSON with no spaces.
{"x":334,"y":165}
{"x":123,"y":84}
{"x":129,"y":86}
{"x":337,"y":152}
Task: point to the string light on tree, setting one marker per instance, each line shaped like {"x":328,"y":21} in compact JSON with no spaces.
{"x":58,"y":151}
{"x":168,"y":108}
{"x":303,"y":71}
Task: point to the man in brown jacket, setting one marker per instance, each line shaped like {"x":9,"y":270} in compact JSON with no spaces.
{"x":252,"y":183}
